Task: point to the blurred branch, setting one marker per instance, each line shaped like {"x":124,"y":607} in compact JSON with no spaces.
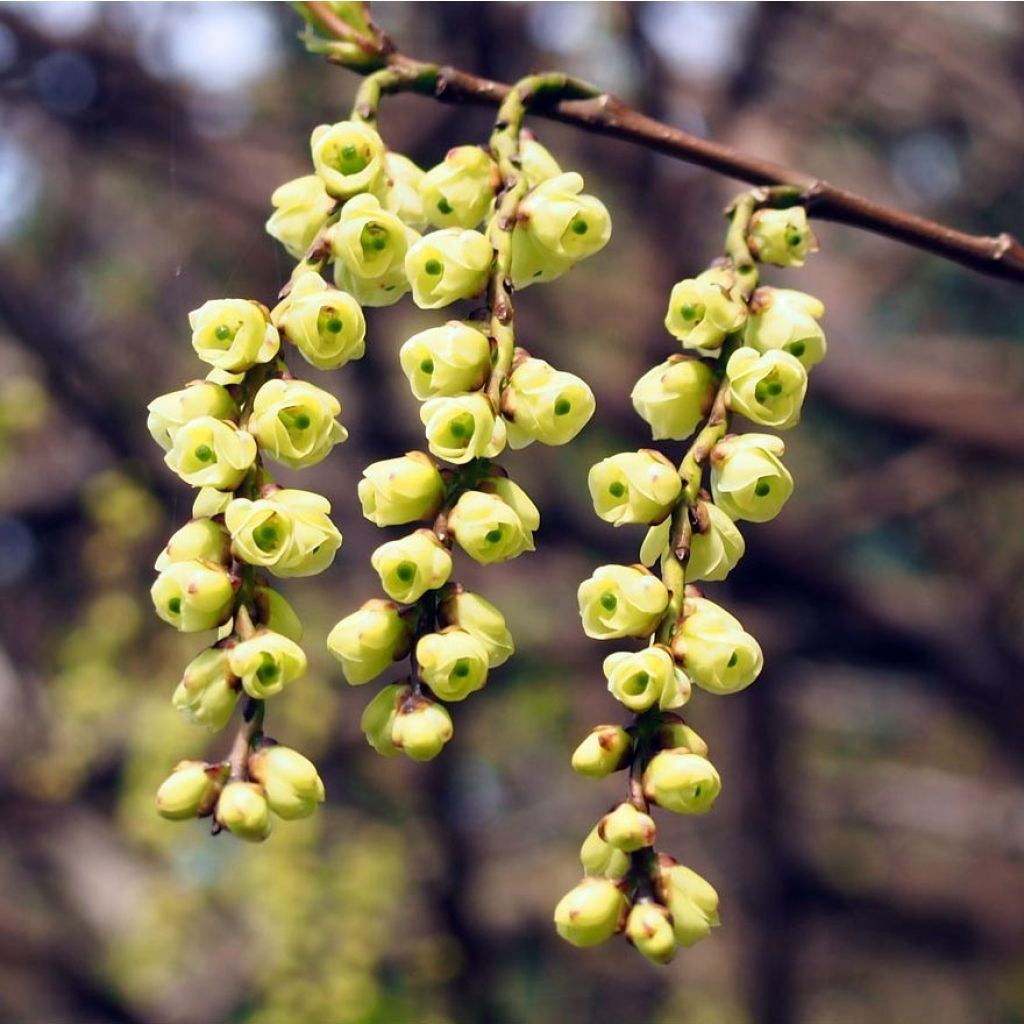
{"x":1001,"y":256}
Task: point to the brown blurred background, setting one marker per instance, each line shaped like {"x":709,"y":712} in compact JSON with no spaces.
{"x":869,"y":842}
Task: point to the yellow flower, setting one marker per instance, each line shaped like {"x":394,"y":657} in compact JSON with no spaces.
{"x":325,"y":324}
{"x":412,"y":565}
{"x":748,"y":479}
{"x":606,"y":749}
{"x":691,"y":900}
{"x":641,"y":679}
{"x":649,"y":928}
{"x":170,"y":412}
{"x":627,"y":828}
{"x":448,"y":360}
{"x":591,"y":913}
{"x":193,"y":596}
{"x":208,"y":691}
{"x":191,"y":790}
{"x":290,"y":781}
{"x":459,"y":191}
{"x":349,"y":157}
{"x":243,"y":810}
{"x":478,"y":617}
{"x":301,"y":207}
{"x":453,"y":663}
{"x":781,"y":237}
{"x":462,"y":428}
{"x":768,"y":388}
{"x":198,"y":538}
{"x":719,"y":655}
{"x":233,"y":334}
{"x":448,"y":265}
{"x":681,"y":781}
{"x":421,"y":729}
{"x":544,"y":404}
{"x":702,"y":310}
{"x":212,"y":453}
{"x":788,"y":320}
{"x":490,"y":529}
{"x":715,"y":550}
{"x":601,"y":858}
{"x":266,"y":663}
{"x":619,"y":600}
{"x":369,"y":640}
{"x":293,"y":422}
{"x":634,"y":487}
{"x":674,"y":396}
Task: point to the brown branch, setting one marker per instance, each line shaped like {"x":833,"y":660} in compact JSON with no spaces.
{"x":1001,"y":256}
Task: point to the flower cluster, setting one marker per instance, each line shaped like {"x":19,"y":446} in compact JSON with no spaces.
{"x":479,"y":394}
{"x":747,"y":351}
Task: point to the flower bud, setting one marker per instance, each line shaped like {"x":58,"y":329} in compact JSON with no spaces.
{"x":325,"y":324}
{"x":673,"y":732}
{"x":288,"y":532}
{"x":634,"y":487}
{"x":702,"y":310}
{"x":349,"y":157}
{"x":621,"y":600}
{"x":208,"y":691}
{"x":266,"y":663}
{"x":243,"y":810}
{"x":274,"y":612}
{"x":369,"y":640}
{"x":369,"y":246}
{"x":459,"y":191}
{"x":781,"y":237}
{"x":641,"y":679}
{"x":401,"y":490}
{"x":768,"y":388}
{"x":402,"y":197}
{"x":191,"y":790}
{"x":193,"y":596}
{"x":606,"y":749}
{"x":448,"y":265}
{"x":627,"y":828}
{"x":379,"y":718}
{"x":233,"y":334}
{"x":591,"y":913}
{"x":169,"y":413}
{"x":748,"y":479}
{"x":601,"y":858}
{"x":787,"y":320}
{"x":716,"y":651}
{"x":692,"y":901}
{"x":715,"y":550}
{"x":536,"y":162}
{"x":562,"y":221}
{"x":453,"y":663}
{"x":211,"y":453}
{"x":301,"y":207}
{"x":421,"y":729}
{"x":462,"y":428}
{"x":411,"y":566}
{"x":681,"y":782}
{"x":290,"y":781}
{"x":491,"y":530}
{"x":210,"y":502}
{"x":674,"y":396}
{"x":481,"y":620}
{"x":649,"y":929}
{"x":544,"y":404}
{"x":293,"y":422}
{"x":198,"y":538}
{"x":448,"y":360}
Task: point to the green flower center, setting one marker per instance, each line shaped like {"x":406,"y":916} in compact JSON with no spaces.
{"x":692,"y":311}
{"x":406,"y":571}
{"x":579,"y":226}
{"x":797,"y":348}
{"x":269,"y":669}
{"x":427,"y":366}
{"x":763,"y":487}
{"x":349,"y":160}
{"x":266,"y":537}
{"x":493,"y":536}
{"x":204,"y":453}
{"x":433,"y":268}
{"x":334,"y":325}
{"x":617,"y":489}
{"x":563,"y":407}
{"x":609,"y":602}
{"x":373,"y":240}
{"x":636,"y":684}
{"x":174,"y":606}
{"x":462,"y":668}
{"x":444,"y":206}
{"x":793,"y":237}
{"x":461,"y":428}
{"x":223,"y":332}
{"x":733,"y":660}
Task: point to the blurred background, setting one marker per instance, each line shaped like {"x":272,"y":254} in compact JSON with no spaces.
{"x":869,"y":842}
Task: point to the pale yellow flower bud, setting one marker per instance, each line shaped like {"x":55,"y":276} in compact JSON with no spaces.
{"x":620,"y":600}
{"x":719,"y":655}
{"x":649,"y":929}
{"x":634,"y":487}
{"x":602,"y":859}
{"x":788,"y":320}
{"x":402,"y":197}
{"x":641,"y":679}
{"x":768,"y":388}
{"x":673,"y":732}
{"x":369,"y":246}
{"x":714,"y":551}
{"x":536,"y":161}
{"x":703,"y":310}
{"x":401,"y":490}
{"x":462,"y":428}
{"x":447,"y":360}
{"x":243,"y":810}
{"x":448,"y":265}
{"x":478,"y":617}
{"x":210,"y":502}
{"x":459,"y":191}
{"x":208,"y":691}
{"x":290,"y":781}
{"x":627,"y":828}
{"x":691,"y":900}
{"x":563,"y":221}
{"x":288,"y":532}
{"x":781,"y":237}
{"x":170,"y":412}
{"x":544,"y":404}
{"x":591,"y":913}
{"x":674,"y":397}
{"x":349,"y":157}
{"x":233,"y":334}
{"x":293,"y":422}
{"x":421,"y":729}
{"x":301,"y":207}
{"x":491,"y":530}
{"x":410,"y":566}
{"x":681,"y":781}
{"x":453,"y":663}
{"x":369,"y":640}
{"x":212,"y":453}
{"x":748,"y":479}
{"x":193,"y":596}
{"x":325,"y":324}
{"x":379,"y":718}
{"x":198,"y":538}
{"x":606,"y":749}
{"x":266,"y":663}
{"x":191,"y":790}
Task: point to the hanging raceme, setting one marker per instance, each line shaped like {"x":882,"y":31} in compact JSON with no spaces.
{"x":747,"y":351}
{"x":479,"y":393}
